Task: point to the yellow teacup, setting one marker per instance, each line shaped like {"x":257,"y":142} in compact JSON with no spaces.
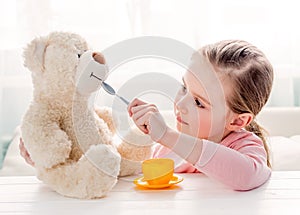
{"x":158,"y":171}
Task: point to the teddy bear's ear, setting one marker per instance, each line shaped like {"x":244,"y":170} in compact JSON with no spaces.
{"x":34,"y":54}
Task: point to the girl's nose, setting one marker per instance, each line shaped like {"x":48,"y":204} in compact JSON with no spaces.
{"x":181,"y":104}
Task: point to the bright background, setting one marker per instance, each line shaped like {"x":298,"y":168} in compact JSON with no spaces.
{"x":270,"y":25}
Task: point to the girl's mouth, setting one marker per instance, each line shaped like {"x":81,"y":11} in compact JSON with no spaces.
{"x":178,"y":118}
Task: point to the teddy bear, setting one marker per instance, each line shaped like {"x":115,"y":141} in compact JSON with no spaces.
{"x":70,"y":140}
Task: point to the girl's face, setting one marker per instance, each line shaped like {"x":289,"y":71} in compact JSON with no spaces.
{"x":200,"y":106}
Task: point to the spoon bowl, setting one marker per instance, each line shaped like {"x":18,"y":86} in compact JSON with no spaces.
{"x":111,"y":91}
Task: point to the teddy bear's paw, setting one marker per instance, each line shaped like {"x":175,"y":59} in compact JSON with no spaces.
{"x":105,"y":158}
{"x":105,"y":113}
{"x":130,"y":167}
{"x":136,"y":138}
{"x":59,"y":155}
{"x":135,"y":146}
{"x":133,"y":152}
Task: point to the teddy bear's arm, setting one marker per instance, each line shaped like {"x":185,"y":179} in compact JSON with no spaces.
{"x":46,"y":143}
{"x":47,"y":146}
{"x":134,"y":148}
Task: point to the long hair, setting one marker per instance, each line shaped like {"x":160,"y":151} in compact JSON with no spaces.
{"x":251,"y":75}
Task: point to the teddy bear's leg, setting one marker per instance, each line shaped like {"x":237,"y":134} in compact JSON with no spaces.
{"x":93,"y":176}
{"x":134,"y":148}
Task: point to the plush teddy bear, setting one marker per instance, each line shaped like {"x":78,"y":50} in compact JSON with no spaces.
{"x":71,"y":144}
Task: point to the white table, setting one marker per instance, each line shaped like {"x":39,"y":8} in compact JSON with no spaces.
{"x":197,"y":194}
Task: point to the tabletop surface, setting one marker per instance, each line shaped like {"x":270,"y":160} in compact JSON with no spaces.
{"x":196,"y":194}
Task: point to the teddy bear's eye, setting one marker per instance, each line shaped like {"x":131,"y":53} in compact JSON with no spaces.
{"x":79,"y":55}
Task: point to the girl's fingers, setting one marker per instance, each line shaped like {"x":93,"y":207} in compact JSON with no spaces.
{"x":143,"y":106}
{"x":139,"y":111}
{"x":143,"y":122}
{"x":21,"y":145}
{"x":28,"y":160}
{"x":24,"y":153}
{"x":135,"y":102}
{"x":141,"y":116}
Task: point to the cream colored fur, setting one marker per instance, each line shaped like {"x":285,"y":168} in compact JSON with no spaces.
{"x":71,"y":144}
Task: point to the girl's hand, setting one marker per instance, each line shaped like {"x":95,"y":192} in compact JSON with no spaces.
{"x":148,"y":119}
{"x":24,"y":153}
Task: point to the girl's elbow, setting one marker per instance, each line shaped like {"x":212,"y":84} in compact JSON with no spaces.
{"x":251,"y":182}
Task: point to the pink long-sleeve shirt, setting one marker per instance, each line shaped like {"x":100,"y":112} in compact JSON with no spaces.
{"x":239,"y":160}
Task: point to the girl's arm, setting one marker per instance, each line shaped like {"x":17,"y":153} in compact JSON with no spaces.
{"x":186,"y":146}
{"x":241,"y":165}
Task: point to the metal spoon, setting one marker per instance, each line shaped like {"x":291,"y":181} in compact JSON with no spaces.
{"x":110,"y":90}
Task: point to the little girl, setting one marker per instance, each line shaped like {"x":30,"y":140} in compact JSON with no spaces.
{"x":217,"y":133}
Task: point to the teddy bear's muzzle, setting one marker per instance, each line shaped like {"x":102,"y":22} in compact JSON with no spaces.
{"x":85,"y":82}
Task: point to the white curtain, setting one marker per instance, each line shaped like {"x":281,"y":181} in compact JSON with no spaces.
{"x":270,"y":25}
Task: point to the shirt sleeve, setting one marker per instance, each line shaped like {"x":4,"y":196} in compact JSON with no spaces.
{"x":240,"y":163}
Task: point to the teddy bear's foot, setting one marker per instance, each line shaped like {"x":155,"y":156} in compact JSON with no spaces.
{"x":105,"y":158}
{"x":93,"y":176}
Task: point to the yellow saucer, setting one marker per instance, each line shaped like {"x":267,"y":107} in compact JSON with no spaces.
{"x":141,"y":182}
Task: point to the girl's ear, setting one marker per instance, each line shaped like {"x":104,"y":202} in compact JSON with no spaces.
{"x":240,"y":121}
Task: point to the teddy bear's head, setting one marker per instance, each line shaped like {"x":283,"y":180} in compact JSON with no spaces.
{"x":53,"y":61}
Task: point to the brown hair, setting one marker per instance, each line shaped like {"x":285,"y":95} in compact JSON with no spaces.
{"x":251,"y":75}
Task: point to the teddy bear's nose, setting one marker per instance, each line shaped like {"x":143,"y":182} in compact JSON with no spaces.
{"x":99,"y":57}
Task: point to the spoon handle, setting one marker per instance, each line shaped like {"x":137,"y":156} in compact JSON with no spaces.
{"x":123,"y":99}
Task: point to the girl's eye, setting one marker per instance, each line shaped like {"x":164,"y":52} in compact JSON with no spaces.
{"x":183,"y":89}
{"x":198,"y":103}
